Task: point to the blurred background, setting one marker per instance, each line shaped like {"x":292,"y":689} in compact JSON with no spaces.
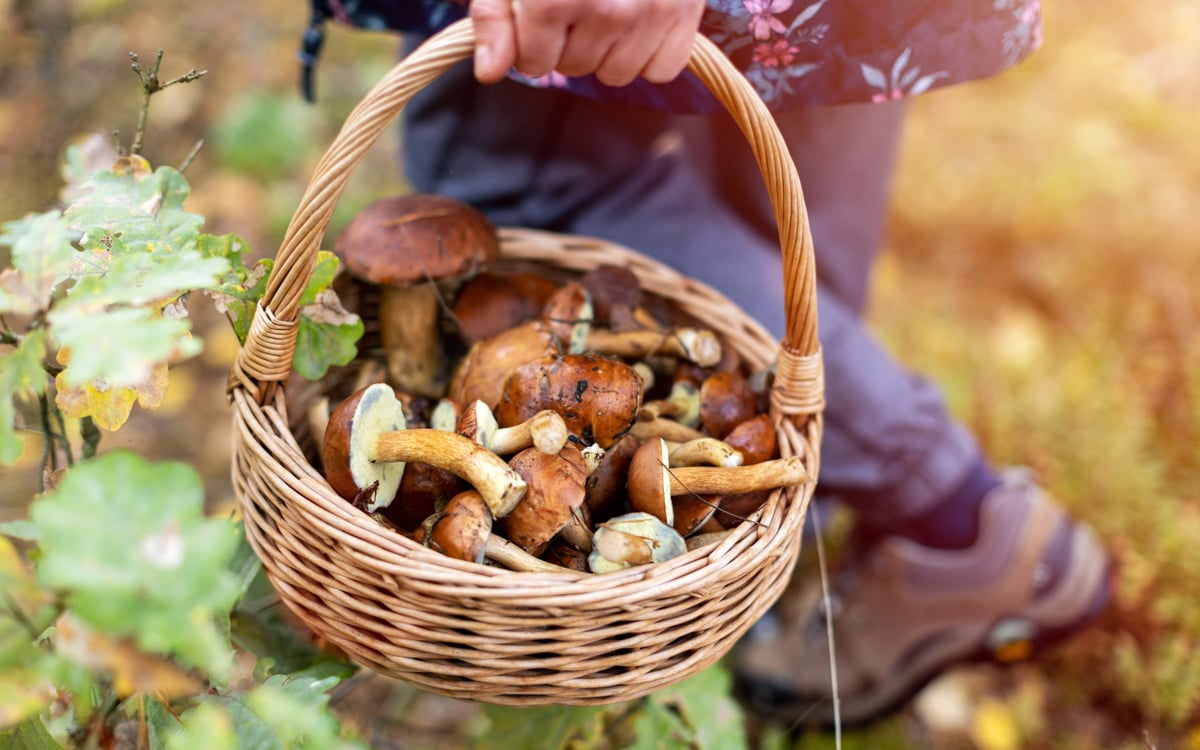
{"x":1042,"y":264}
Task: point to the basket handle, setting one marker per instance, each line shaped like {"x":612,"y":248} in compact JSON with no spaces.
{"x":266,"y":357}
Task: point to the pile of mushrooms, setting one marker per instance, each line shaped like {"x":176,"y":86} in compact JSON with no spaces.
{"x":583,"y":425}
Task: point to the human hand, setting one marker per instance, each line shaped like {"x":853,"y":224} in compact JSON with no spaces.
{"x":618,"y":40}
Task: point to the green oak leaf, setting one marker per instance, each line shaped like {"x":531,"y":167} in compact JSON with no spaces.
{"x":42,"y":256}
{"x":540,"y":726}
{"x":145,"y":211}
{"x":21,"y":374}
{"x":158,"y":572}
{"x":205,"y":727}
{"x":700,"y":711}
{"x":287,"y":711}
{"x":327,"y":334}
{"x":120,"y":275}
{"x":30,"y":734}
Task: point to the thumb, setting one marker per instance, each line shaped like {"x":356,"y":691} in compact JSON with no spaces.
{"x":495,"y":39}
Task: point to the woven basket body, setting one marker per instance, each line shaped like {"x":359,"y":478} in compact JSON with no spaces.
{"x":479,"y":632}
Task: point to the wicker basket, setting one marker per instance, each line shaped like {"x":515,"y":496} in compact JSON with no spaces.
{"x":483,"y":633}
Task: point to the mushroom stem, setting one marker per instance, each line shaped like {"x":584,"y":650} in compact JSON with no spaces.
{"x":698,"y":345}
{"x":500,"y":550}
{"x":409,"y":333}
{"x":667,"y":429}
{"x":545,"y":431}
{"x":705,"y":451}
{"x":682,"y":405}
{"x":501,"y":487}
{"x":709,"y":480}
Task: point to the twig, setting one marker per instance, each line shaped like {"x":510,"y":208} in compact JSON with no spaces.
{"x":187,"y":161}
{"x":49,"y":455}
{"x":91,"y":437}
{"x":62,"y":432}
{"x":151,"y":85}
{"x":827,"y":603}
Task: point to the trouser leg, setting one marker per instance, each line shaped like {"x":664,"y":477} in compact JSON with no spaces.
{"x":550,"y":160}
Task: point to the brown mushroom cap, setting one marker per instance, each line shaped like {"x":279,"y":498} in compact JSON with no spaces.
{"x":412,"y":238}
{"x":598,"y":397}
{"x":494,"y":301}
{"x":725,"y":402}
{"x":755,"y":439}
{"x":554,"y":496}
{"x":606,"y":483}
{"x":481,"y":374}
{"x":616,"y":292}
{"x":463,"y":528}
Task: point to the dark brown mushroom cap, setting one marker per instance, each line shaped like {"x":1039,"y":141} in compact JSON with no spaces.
{"x":409,"y":239}
{"x":616,"y":292}
{"x":725,"y":402}
{"x":598,"y":397}
{"x":494,"y":301}
{"x":755,"y":438}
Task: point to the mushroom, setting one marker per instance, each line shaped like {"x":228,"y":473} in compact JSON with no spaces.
{"x":568,"y":312}
{"x":616,"y":296}
{"x":653,"y":482}
{"x":463,"y":530}
{"x":682,"y":404}
{"x":725,"y":402}
{"x":481,"y":373}
{"x":692,"y":511}
{"x":667,"y":429}
{"x":554,"y":504}
{"x":696,"y":344}
{"x":598,"y":397}
{"x":366,"y":445}
{"x":754,"y":438}
{"x":407,"y":244}
{"x":606,"y":478}
{"x":494,"y":301}
{"x":545,"y":430}
{"x":704,"y":451}
{"x":633,"y":539}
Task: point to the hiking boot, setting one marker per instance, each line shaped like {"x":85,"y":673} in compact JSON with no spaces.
{"x":902,"y":613}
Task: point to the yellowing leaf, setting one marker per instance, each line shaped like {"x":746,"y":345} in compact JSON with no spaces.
{"x":109,"y":407}
{"x":132,"y":671}
{"x":994,"y":728}
{"x":135,"y":166}
{"x":23,"y":693}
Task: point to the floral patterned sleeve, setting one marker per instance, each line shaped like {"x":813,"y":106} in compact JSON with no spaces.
{"x":796,"y":53}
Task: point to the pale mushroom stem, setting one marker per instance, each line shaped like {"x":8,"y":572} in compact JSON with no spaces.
{"x":501,"y":487}
{"x":545,"y":431}
{"x":504,"y":552}
{"x":698,"y":345}
{"x":709,"y":480}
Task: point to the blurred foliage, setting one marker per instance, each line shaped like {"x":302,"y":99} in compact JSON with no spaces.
{"x":1043,"y":219}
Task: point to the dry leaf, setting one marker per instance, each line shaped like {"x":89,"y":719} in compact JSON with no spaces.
{"x":132,"y":671}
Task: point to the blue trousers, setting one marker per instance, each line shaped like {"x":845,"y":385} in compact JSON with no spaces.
{"x":684,"y":190}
